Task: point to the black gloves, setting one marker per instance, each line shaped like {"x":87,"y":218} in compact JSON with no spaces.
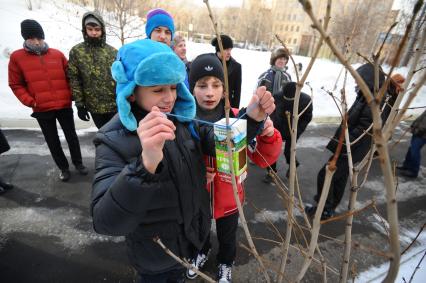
{"x":83,"y":114}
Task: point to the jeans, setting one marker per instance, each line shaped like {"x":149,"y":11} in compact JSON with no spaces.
{"x":413,"y":156}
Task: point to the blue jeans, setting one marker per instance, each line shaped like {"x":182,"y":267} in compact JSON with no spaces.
{"x":413,"y":156}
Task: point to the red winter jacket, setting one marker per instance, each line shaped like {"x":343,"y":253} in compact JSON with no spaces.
{"x":267,"y":151}
{"x":39,"y":81}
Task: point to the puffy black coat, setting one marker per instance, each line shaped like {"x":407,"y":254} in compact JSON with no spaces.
{"x":359,"y":115}
{"x":172,"y":204}
{"x":4,"y":145}
{"x":267,"y":79}
{"x":284,"y":102}
{"x":234,"y":82}
{"x":418,"y":128}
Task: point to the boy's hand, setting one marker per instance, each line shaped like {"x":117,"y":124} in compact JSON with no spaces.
{"x":261,"y":103}
{"x":210,"y":173}
{"x":268,"y":128}
{"x":153,"y":131}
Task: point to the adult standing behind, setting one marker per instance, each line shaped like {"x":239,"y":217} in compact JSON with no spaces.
{"x":284,"y":103}
{"x":179,"y":47}
{"x":359,"y":121}
{"x":234,"y":69}
{"x":37,"y":77}
{"x":411,"y":166}
{"x":89,"y":72}
{"x":4,"y":146}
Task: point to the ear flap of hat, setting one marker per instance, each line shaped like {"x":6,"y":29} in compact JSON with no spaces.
{"x":123,"y":105}
{"x":118,"y":72}
{"x":185,"y":104}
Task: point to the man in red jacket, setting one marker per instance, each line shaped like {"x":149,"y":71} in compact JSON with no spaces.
{"x":37,"y":77}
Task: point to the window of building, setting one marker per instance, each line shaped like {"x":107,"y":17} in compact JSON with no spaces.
{"x":286,"y":28}
{"x":291,"y":28}
{"x":289,"y":17}
{"x":297,"y":28}
{"x":294,"y":17}
{"x":294,"y":40}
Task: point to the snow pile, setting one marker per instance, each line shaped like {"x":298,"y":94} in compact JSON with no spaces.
{"x":61,"y":22}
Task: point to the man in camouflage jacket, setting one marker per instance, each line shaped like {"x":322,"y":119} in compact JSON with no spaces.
{"x":89,"y":71}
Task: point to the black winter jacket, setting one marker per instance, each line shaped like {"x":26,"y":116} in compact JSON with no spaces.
{"x":284,"y":102}
{"x":360,"y":117}
{"x":418,"y":128}
{"x":234,"y":82}
{"x":172,"y":204}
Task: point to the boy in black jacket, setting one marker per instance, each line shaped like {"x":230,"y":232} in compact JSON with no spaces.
{"x":150,"y":177}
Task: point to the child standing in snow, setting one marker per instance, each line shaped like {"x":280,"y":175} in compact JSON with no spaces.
{"x":207,"y":84}
{"x":150,"y":176}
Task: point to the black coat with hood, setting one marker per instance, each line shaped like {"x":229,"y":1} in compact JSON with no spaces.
{"x":171,"y":204}
{"x":359,"y":115}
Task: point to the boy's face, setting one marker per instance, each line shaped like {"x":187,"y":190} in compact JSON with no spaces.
{"x":180,"y":50}
{"x":35,"y":41}
{"x":94,"y":31}
{"x":162,"y":96}
{"x":162,"y":34}
{"x":281,"y":62}
{"x":208,"y":92}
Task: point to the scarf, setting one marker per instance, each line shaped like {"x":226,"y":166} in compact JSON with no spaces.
{"x":213,"y":115}
{"x":278,"y":84}
{"x":38,"y":50}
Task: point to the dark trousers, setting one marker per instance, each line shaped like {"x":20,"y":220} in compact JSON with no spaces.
{"x":339,"y":180}
{"x":413,"y":156}
{"x":101,"y":119}
{"x":226,"y":230}
{"x":173,"y":276}
{"x":50,"y":132}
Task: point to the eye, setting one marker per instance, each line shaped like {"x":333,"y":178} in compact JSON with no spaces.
{"x":174,"y":87}
{"x":201,"y":85}
{"x":157,"y":90}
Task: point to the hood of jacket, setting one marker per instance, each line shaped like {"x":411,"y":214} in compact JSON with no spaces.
{"x":100,"y":19}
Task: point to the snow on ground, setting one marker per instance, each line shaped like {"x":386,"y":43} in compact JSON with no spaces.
{"x":408,"y":263}
{"x":61,"y":22}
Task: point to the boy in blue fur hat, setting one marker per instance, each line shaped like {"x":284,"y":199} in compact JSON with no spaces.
{"x":150,"y":177}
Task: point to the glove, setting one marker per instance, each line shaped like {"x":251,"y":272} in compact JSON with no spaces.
{"x":83,"y":114}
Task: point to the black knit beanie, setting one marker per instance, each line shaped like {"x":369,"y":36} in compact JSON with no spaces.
{"x":226,"y":42}
{"x":203,"y":66}
{"x":31,"y":29}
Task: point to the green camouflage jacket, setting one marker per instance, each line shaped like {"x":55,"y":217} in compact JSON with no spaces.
{"x":89,"y":72}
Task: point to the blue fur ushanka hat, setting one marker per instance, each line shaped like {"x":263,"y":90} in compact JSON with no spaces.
{"x":150,"y":63}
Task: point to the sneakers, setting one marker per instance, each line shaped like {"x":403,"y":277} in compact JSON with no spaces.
{"x":326,"y":214}
{"x":65,"y":175}
{"x":224,"y":274}
{"x":81,"y":169}
{"x":197,"y":263}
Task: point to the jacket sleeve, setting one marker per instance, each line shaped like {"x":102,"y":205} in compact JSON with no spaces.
{"x":121,"y":192}
{"x":18,"y":85}
{"x":238,"y":86}
{"x":75,"y":80}
{"x":267,"y":149}
{"x":265,"y":80}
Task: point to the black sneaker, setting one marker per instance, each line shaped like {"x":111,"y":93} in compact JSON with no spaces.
{"x":224,"y":274}
{"x":82,"y":170}
{"x":406,"y":172}
{"x":65,"y":175}
{"x":6,"y":186}
{"x":310,"y":210}
{"x":326,"y":214}
{"x":197,"y":263}
{"x":268,"y":179}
